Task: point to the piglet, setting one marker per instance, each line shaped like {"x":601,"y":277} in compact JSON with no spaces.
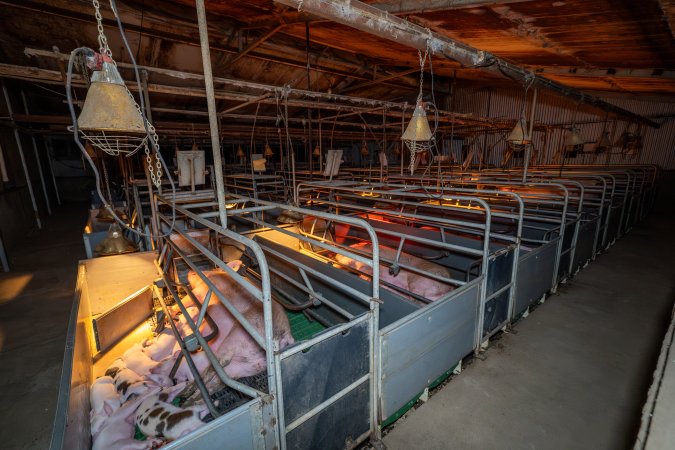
{"x":104,"y":401}
{"x":118,"y":431}
{"x":156,"y":417}
{"x":126,"y":378}
{"x":160,"y":346}
{"x":137,"y":360}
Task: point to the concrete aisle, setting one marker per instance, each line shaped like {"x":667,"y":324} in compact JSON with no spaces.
{"x":35,"y":301}
{"x":576,"y":373}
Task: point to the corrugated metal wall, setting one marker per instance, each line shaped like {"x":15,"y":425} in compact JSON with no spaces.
{"x":559,"y":113}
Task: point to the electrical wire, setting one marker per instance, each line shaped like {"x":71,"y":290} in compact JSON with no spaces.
{"x":69,"y":92}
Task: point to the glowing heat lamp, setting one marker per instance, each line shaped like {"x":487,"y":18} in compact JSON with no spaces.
{"x":268,"y":151}
{"x":241,"y":155}
{"x":317,"y":151}
{"x":110,"y":119}
{"x":397,"y":150}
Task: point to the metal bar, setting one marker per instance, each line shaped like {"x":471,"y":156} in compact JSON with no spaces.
{"x":318,"y":295}
{"x":528,"y":148}
{"x":37,"y":158}
{"x":213,"y":359}
{"x":323,"y":405}
{"x":372,"y":20}
{"x":3,"y":257}
{"x":186,"y":354}
{"x":213,"y":114}
{"x":3,"y":167}
{"x":223,"y":300}
{"x":21,"y":156}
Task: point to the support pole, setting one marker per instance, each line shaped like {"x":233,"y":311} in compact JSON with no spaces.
{"x":37,"y":158}
{"x":49,"y":147}
{"x":213,"y":114}
{"x":3,"y":168}
{"x":23,"y":160}
{"x":3,"y":257}
{"x":528,"y":148}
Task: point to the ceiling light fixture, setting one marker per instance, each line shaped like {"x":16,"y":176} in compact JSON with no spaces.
{"x":418,"y":136}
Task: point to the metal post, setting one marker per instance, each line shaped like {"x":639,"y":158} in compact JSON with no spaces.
{"x":213,"y":114}
{"x":528,"y":148}
{"x":146,"y":95}
{"x":3,"y":167}
{"x":49,"y":148}
{"x":3,"y":257}
{"x":23,"y":160}
{"x":37,"y":158}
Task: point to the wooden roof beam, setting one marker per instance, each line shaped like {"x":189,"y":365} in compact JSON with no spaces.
{"x":367,"y":18}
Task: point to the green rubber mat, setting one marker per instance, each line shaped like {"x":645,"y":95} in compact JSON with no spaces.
{"x":301,"y":327}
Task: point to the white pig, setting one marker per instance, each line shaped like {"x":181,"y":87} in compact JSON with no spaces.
{"x":104,"y":401}
{"x":410,"y":281}
{"x":160,"y":346}
{"x":118,"y":430}
{"x":138,"y":361}
{"x":158,"y":418}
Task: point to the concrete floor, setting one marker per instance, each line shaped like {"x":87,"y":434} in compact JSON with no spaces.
{"x":575,"y":373}
{"x":37,"y":296}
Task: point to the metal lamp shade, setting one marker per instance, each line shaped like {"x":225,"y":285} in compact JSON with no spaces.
{"x":604,"y":143}
{"x":115,"y":243}
{"x":418,"y":129}
{"x":519,"y":134}
{"x":110,"y":119}
{"x":573,"y":139}
{"x":240,"y":152}
{"x":108,"y":106}
{"x":573,"y":143}
{"x":364,"y":150}
{"x":317,"y":151}
{"x":268,"y":151}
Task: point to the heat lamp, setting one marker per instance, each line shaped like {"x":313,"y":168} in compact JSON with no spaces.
{"x":110,"y":119}
{"x":573,"y":142}
{"x":519,"y":138}
{"x":268,"y":153}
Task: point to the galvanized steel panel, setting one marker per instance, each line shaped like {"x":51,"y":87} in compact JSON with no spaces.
{"x":417,"y":350}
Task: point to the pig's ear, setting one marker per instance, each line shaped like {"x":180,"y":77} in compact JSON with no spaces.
{"x":108,"y":408}
{"x":235,"y":265}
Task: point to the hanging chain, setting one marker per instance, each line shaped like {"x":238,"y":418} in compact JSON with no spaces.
{"x":423,"y":61}
{"x":102,"y":39}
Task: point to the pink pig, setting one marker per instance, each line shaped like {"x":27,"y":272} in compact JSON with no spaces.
{"x":233,"y":342}
{"x":118,"y":430}
{"x":410,"y":281}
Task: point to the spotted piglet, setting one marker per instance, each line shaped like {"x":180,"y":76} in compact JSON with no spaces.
{"x":157,"y":418}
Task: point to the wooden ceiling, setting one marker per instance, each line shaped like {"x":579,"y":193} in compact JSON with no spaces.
{"x":622,"y":47}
